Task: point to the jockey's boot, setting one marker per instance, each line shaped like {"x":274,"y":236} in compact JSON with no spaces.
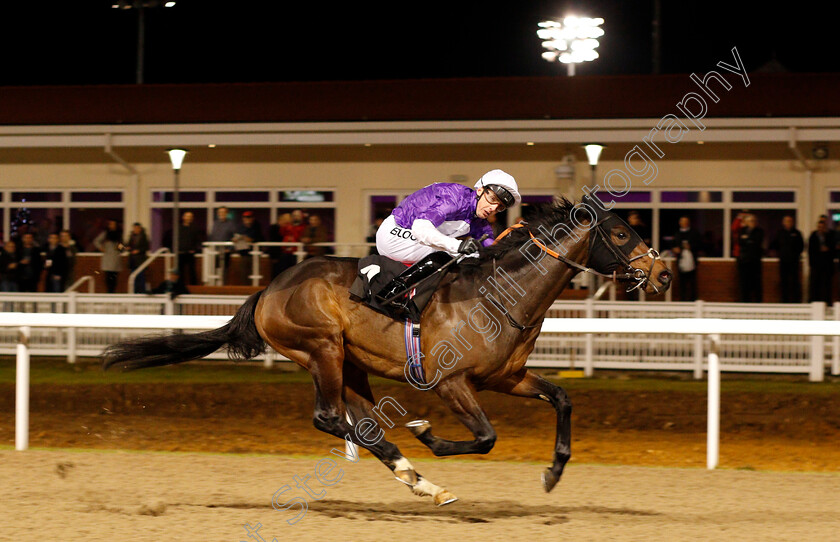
{"x":414,"y":274}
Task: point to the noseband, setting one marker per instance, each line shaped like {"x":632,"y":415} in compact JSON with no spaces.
{"x":638,"y":278}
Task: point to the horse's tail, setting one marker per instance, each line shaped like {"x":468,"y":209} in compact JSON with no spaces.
{"x":239,"y":335}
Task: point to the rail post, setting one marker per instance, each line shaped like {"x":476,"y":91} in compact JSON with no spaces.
{"x":22,"y":390}
{"x":589,"y":360}
{"x":698,"y":343}
{"x":255,"y":275}
{"x":817,"y":373}
{"x":71,"y":331}
{"x":713,"y":404}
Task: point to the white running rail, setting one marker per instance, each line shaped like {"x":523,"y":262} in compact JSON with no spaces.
{"x":710,"y":328}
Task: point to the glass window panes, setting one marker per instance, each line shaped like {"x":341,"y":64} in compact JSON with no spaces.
{"x":237,"y":196}
{"x":183,"y":195}
{"x":306,"y":196}
{"x":763,"y":196}
{"x":629,"y":197}
{"x":94,"y":196}
{"x":381,"y":207}
{"x":692,"y":196}
{"x":87,"y":223}
{"x":161,"y":226}
{"x":36,"y":196}
{"x":707,"y":222}
{"x":769,"y":220}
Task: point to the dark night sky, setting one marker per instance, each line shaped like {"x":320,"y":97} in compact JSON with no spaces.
{"x":207,"y":41}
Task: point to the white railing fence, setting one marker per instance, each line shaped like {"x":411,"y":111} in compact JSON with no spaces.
{"x":653,"y":351}
{"x":710,"y":329}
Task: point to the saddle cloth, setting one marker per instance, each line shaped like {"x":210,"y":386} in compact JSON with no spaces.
{"x":375,"y":272}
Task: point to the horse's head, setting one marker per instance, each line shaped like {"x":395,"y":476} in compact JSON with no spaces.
{"x":616,"y":249}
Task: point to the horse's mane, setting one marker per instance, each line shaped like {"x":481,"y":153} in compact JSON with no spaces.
{"x":544,"y":214}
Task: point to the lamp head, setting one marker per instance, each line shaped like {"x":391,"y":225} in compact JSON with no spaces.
{"x":176,"y":156}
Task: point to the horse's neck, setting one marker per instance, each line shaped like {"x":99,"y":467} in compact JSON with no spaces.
{"x":534,"y":286}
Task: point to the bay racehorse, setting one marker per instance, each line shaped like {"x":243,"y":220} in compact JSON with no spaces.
{"x":477,"y":331}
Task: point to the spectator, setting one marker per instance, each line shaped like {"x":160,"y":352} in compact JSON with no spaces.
{"x":294,"y":232}
{"x":750,"y":241}
{"x":821,"y":252}
{"x":109,"y":242}
{"x":737,"y":224}
{"x":282,"y":258}
{"x":173,"y":285}
{"x":634,"y":219}
{"x":788,"y":245}
{"x":70,"y":249}
{"x":30,"y":264}
{"x":316,"y":232}
{"x":138,"y":247}
{"x":55,"y":262}
{"x":9,"y":268}
{"x":189,"y":242}
{"x":249,"y":232}
{"x":687,"y":246}
{"x":222,"y":232}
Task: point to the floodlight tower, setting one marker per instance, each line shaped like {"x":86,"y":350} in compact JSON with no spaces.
{"x":571,"y":41}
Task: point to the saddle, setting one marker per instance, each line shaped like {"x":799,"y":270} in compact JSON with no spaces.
{"x":375,"y":272}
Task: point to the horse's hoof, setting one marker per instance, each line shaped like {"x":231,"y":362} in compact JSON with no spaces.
{"x":408,"y":477}
{"x":418,"y":427}
{"x":444,"y":497}
{"x":549,"y":480}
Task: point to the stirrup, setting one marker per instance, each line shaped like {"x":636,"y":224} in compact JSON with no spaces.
{"x":395,"y":286}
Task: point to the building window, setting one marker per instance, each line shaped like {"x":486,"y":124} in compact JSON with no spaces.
{"x":83,"y":212}
{"x":267,"y":206}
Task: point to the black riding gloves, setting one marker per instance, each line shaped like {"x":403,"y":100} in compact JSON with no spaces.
{"x":469,"y":246}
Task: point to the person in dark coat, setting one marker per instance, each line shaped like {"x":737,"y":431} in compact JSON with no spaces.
{"x":789,"y":245}
{"x":30,"y":264}
{"x":750,"y":245}
{"x":9,"y":267}
{"x":190,"y":238}
{"x":55,"y":262}
{"x":687,"y":244}
{"x":173,"y":285}
{"x":138,"y":247}
{"x":821,"y":253}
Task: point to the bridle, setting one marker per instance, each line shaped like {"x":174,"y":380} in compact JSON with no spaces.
{"x":638,"y":278}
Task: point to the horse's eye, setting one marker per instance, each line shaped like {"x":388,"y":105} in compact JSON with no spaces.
{"x":621,"y":235}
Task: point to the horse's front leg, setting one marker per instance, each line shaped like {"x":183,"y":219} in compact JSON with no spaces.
{"x":525,"y":383}
{"x":459,"y":395}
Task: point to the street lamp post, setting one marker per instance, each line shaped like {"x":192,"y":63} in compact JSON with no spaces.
{"x":176,"y":156}
{"x":571,"y":41}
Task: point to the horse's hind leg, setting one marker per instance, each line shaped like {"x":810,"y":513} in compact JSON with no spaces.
{"x":360,"y":403}
{"x":525,"y":383}
{"x":459,"y":395}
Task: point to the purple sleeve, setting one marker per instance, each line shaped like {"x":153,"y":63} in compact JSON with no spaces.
{"x":436,"y":203}
{"x":482,"y":227}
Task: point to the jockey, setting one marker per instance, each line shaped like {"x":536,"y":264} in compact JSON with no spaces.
{"x":423,"y":229}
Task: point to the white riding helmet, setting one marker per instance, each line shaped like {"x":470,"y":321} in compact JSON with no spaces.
{"x":501,"y":184}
